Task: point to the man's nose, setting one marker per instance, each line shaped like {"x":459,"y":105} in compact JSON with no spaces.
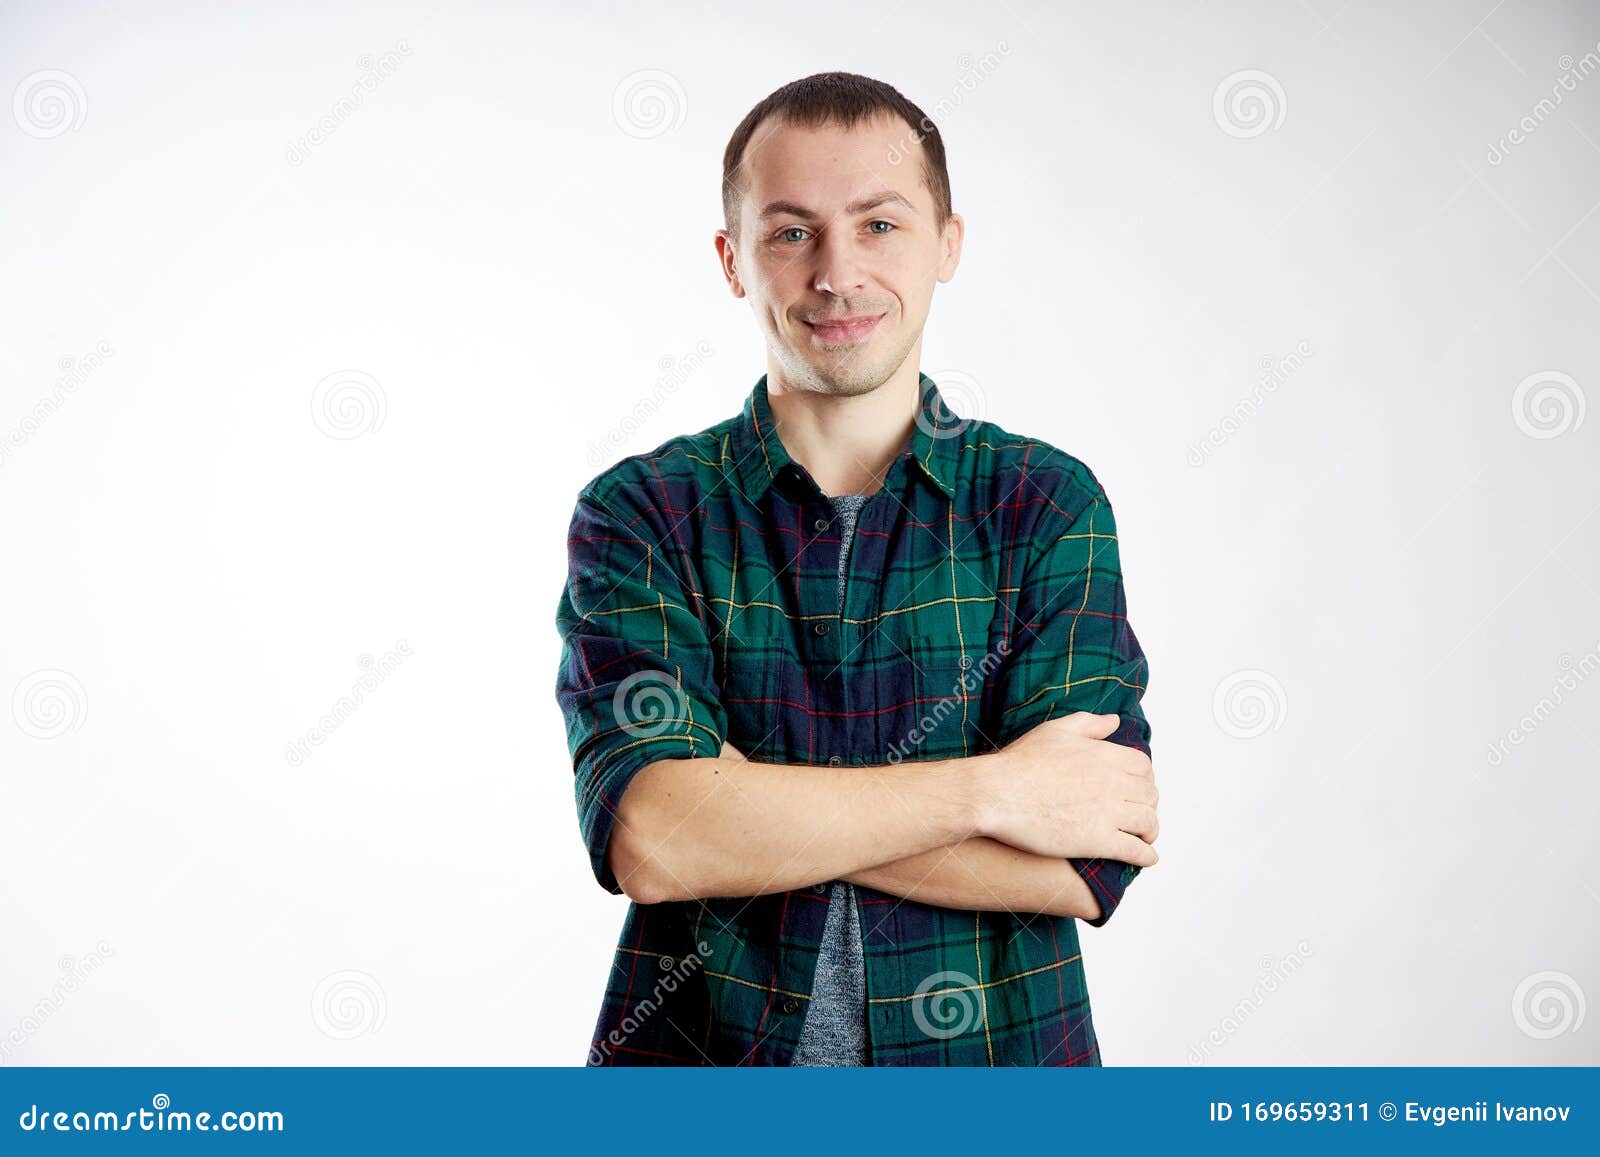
{"x":840,"y":270}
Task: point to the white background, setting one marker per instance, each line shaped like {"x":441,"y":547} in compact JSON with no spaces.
{"x":516,"y":256}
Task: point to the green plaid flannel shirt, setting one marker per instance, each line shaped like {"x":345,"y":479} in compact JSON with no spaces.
{"x":984,"y":595}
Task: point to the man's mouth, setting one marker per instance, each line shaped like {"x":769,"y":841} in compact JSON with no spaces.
{"x":840,"y":330}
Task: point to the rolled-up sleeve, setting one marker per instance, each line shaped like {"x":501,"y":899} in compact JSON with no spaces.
{"x":636,"y":682}
{"x":1073,"y":649}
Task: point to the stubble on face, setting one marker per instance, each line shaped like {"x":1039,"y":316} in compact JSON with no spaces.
{"x":853,"y":370}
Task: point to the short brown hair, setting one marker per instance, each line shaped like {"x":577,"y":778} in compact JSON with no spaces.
{"x":842,"y":98}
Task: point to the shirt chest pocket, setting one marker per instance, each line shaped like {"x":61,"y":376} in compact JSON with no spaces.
{"x":757,"y":676}
{"x":939,"y":711}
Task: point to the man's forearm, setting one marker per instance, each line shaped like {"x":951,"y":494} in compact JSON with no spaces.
{"x":979,"y":874}
{"x":726,"y":826}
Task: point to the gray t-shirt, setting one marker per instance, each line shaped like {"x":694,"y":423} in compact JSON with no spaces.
{"x":835,"y":1029}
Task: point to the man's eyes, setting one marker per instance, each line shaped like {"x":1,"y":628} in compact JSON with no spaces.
{"x":795,"y":234}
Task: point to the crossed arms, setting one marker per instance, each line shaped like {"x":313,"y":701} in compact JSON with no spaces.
{"x":1057,"y":820}
{"x":990,"y":832}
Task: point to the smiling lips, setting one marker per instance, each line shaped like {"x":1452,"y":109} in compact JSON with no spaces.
{"x":842,"y":330}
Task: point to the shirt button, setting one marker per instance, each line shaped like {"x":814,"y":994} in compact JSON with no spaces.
{"x":966,"y":661}
{"x":790,"y":1006}
{"x":820,"y":524}
{"x":819,"y":889}
{"x":819,"y":628}
{"x":835,"y":760}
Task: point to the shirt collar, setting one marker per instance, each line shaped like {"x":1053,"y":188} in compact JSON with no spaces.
{"x":755,"y":456}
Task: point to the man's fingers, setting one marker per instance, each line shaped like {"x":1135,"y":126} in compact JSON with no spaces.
{"x":1133,"y":850}
{"x":1140,"y":820}
{"x":1143,"y":791}
{"x":1089,"y":725}
{"x":1136,"y":762}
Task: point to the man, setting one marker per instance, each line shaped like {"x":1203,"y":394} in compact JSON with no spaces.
{"x":850,"y":690}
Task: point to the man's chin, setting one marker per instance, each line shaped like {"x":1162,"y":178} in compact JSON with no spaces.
{"x":844,"y":375}
{"x":853,"y":387}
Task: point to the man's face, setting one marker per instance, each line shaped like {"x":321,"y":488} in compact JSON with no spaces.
{"x":838,"y":250}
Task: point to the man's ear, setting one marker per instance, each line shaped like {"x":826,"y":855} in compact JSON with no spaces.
{"x":955,"y":233}
{"x":726,"y":253}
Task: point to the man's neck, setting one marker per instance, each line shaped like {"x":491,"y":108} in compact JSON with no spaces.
{"x":846,"y":443}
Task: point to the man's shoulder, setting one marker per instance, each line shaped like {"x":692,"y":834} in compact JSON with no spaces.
{"x":1030,"y":468}
{"x":684,"y":466}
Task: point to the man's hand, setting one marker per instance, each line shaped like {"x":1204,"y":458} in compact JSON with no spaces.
{"x":1064,"y":790}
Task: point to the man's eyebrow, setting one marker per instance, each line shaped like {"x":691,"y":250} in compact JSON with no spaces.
{"x":866,"y":204}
